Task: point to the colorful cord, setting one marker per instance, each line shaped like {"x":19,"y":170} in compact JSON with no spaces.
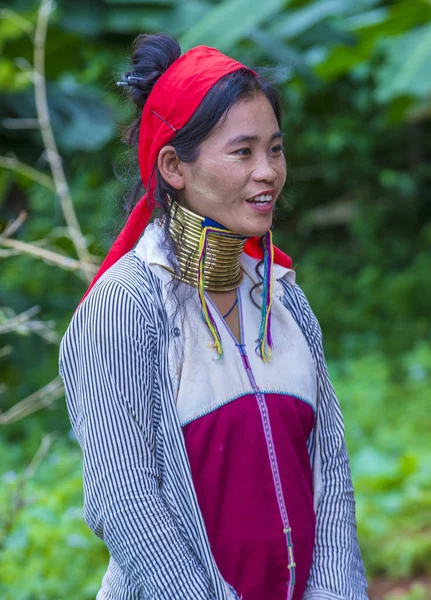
{"x":209,"y":319}
{"x":264,"y":341}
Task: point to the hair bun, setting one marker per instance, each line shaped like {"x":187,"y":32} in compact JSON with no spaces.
{"x":152,"y":55}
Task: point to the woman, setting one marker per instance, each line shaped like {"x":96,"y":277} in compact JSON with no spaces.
{"x":214,"y":460}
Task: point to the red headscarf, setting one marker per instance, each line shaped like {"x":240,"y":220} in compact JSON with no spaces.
{"x":170,"y":105}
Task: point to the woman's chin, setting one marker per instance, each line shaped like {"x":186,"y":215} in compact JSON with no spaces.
{"x":248,"y":227}
{"x":256,"y":230}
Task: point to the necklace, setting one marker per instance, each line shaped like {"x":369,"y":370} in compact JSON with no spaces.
{"x":208,"y":257}
{"x":231,"y":308}
{"x":218,"y":253}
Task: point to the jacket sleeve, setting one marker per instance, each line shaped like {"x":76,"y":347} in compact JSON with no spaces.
{"x":107,"y":361}
{"x":337,"y":571}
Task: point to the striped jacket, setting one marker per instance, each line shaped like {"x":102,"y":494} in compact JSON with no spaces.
{"x":139,"y":495}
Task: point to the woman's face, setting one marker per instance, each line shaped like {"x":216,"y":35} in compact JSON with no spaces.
{"x":240,"y":171}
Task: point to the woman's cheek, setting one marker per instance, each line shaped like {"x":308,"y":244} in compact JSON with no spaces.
{"x":238,"y":172}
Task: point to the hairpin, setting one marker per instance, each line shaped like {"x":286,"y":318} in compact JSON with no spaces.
{"x":130,"y":80}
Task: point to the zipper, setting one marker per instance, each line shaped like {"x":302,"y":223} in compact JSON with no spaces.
{"x":263,"y":408}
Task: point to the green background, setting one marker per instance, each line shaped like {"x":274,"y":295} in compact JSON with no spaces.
{"x":355,"y":77}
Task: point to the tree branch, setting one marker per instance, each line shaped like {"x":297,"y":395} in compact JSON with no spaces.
{"x":42,"y":398}
{"x":42,"y":451}
{"x":14,"y":322}
{"x":18,"y":502}
{"x":24,"y":323}
{"x":12,"y":163}
{"x":15,"y":225}
{"x":10,"y":123}
{"x":65,"y":262}
{"x":49,"y":142}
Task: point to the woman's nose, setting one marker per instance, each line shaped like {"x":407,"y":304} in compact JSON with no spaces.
{"x":264,"y":171}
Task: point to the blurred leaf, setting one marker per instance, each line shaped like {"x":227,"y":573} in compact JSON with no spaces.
{"x":142,"y":2}
{"x":229,"y":22}
{"x":186,"y":15}
{"x":370,"y":462}
{"x":326,"y":34}
{"x":146,"y":19}
{"x":80,"y":16}
{"x":280,"y":52}
{"x":367,"y":18}
{"x":8,"y":76}
{"x":294,"y":23}
{"x":401,"y":16}
{"x":407,"y":67}
{"x":81,"y":119}
{"x":14,"y":25}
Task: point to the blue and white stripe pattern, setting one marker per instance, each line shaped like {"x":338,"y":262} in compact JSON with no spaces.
{"x":138,"y":492}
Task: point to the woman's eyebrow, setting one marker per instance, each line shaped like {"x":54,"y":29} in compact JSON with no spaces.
{"x":239,"y":139}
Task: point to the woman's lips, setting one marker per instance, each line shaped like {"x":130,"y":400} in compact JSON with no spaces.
{"x":262,"y":203}
{"x":261,"y":207}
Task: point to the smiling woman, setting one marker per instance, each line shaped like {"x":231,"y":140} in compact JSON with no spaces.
{"x":215,"y":466}
{"x":236,"y":179}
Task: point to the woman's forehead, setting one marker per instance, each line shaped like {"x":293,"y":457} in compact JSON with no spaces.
{"x":248,"y":120}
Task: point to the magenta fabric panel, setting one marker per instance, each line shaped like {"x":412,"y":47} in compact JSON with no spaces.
{"x":231,"y":472}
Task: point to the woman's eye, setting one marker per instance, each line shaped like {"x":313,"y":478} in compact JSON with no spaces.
{"x":243,"y":151}
{"x":277,"y":149}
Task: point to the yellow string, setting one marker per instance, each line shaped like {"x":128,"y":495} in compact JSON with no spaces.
{"x":201,"y":290}
{"x":265,"y":349}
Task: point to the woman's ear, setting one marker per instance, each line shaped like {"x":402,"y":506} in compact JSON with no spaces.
{"x":170,"y":167}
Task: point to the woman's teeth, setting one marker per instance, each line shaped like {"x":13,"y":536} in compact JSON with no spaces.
{"x":263,"y":198}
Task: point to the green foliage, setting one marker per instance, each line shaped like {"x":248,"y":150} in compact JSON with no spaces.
{"x":416,"y":592}
{"x":407,"y":66}
{"x":386,"y":405}
{"x":353,"y":76}
{"x":229,"y":22}
{"x":48,"y":553}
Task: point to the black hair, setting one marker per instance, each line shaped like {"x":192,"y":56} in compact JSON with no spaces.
{"x":151,"y":56}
